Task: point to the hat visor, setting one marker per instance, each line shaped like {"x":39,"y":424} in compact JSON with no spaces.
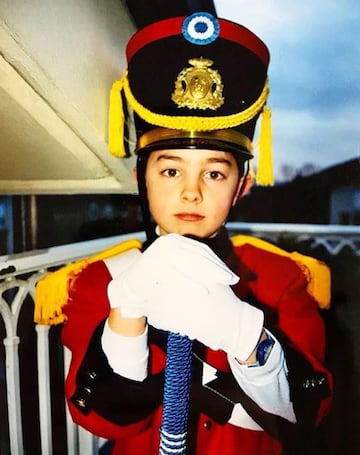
{"x":226,"y":140}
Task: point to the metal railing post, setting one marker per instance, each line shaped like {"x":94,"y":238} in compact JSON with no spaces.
{"x":13,"y":394}
{"x":44,"y":388}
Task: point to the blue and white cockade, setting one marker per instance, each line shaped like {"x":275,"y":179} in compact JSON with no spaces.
{"x":201,"y":28}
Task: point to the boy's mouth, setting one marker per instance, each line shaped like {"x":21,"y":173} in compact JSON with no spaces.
{"x":185,"y":216}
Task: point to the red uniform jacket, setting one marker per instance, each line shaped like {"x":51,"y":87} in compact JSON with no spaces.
{"x":129,"y":412}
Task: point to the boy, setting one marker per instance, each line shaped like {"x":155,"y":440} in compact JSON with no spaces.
{"x":197,"y":85}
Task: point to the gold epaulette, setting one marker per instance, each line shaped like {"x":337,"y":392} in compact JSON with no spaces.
{"x":52,"y":291}
{"x":317,"y":272}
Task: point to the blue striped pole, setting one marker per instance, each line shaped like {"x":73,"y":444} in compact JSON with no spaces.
{"x":173,"y":429}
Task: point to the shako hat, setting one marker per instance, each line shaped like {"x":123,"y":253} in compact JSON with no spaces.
{"x":195,"y":82}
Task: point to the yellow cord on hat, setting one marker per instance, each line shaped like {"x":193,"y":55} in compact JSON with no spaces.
{"x":195,"y":123}
{"x":191,"y":123}
{"x":187,"y":123}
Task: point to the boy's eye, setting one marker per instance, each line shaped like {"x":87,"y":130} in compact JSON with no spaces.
{"x":170,"y":172}
{"x":215,"y":175}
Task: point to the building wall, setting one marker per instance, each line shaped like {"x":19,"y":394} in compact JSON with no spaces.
{"x":345,"y":205}
{"x":79,"y":44}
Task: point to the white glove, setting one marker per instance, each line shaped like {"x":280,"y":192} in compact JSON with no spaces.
{"x":186,"y":256}
{"x":169,"y":256}
{"x":213,"y":315}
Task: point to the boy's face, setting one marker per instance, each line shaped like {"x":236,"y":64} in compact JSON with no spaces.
{"x":191,"y":191}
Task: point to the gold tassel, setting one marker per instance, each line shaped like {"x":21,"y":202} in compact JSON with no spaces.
{"x":319,"y":278}
{"x":51,"y":294}
{"x":264,"y":174}
{"x":317,"y":272}
{"x":116,"y":120}
{"x":52,"y":291}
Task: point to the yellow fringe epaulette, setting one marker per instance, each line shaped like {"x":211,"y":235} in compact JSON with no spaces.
{"x":317,"y":272}
{"x":52,"y":291}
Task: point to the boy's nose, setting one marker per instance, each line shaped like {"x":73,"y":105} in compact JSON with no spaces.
{"x":192,"y":191}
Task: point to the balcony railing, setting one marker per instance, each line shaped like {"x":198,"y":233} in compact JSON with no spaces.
{"x":18,"y":277}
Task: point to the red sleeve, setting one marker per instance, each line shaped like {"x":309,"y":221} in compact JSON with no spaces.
{"x":281,"y":286}
{"x":87,"y":307}
{"x":279,"y":283}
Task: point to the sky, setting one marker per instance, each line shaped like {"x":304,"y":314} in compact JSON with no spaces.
{"x":314,"y":76}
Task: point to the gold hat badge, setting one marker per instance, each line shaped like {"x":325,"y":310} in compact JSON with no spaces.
{"x":198,"y":86}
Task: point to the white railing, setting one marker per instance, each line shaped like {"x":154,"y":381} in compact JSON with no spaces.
{"x":332,"y":237}
{"x":19,"y":275}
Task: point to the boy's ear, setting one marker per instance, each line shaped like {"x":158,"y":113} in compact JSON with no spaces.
{"x":134,"y":174}
{"x":243,"y":188}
